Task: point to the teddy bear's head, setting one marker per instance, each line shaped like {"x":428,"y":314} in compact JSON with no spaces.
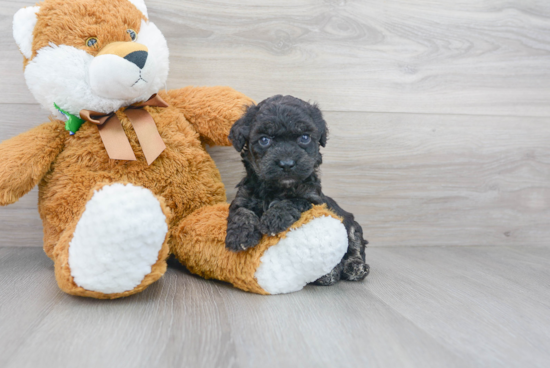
{"x":97,"y":55}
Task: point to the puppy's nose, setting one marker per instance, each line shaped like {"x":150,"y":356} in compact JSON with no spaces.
{"x":286,"y":164}
{"x":137,"y":57}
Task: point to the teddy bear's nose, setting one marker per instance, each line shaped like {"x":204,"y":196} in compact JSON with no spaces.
{"x":137,"y":57}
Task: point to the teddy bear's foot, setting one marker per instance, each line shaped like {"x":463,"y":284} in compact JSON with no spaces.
{"x":118,"y":246}
{"x":284,"y":263}
{"x":302,"y":256}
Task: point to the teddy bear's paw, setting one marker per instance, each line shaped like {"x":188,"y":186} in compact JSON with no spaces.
{"x":117,"y":240}
{"x":303,"y":256}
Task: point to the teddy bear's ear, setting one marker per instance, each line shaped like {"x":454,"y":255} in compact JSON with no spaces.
{"x":140,"y":4}
{"x":23,"y":26}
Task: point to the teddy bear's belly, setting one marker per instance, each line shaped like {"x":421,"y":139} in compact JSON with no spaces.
{"x":184,"y":175}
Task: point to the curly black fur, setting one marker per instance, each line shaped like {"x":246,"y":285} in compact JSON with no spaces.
{"x":279,"y":141}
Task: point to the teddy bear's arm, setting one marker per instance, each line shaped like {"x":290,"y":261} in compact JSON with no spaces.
{"x":211,"y":110}
{"x":26,"y":158}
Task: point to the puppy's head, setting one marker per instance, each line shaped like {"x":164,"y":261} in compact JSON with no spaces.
{"x":279,"y":139}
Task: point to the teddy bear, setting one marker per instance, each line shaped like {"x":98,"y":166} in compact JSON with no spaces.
{"x":124,"y":177}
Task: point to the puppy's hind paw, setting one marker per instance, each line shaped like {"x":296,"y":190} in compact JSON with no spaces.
{"x":330,"y":278}
{"x":355,"y":270}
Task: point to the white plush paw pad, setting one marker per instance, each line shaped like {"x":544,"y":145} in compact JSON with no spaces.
{"x":306,"y":254}
{"x":117,"y":239}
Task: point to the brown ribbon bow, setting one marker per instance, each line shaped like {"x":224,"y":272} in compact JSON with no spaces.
{"x":112,"y":134}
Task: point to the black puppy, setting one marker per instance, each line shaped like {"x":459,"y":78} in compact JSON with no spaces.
{"x":279,"y":142}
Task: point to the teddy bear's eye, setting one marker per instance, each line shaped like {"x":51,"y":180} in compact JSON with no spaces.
{"x":132,"y":34}
{"x":91,"y":42}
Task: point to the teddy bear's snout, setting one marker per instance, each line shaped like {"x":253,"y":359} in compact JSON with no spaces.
{"x":122,"y":70}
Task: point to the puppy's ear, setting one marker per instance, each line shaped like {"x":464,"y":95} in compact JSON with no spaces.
{"x":317,"y":117}
{"x":240,"y":131}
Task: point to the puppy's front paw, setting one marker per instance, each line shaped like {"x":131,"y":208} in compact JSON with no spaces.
{"x":243,"y":231}
{"x":281,"y":216}
{"x":241,"y":238}
{"x":355,"y":269}
{"x":275,"y":222}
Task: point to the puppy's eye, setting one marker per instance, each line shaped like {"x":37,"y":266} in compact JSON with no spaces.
{"x":304,"y":139}
{"x":132,"y":34}
{"x":264,"y":141}
{"x":91,"y":42}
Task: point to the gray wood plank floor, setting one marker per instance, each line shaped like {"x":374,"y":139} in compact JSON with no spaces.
{"x":420,"y":307}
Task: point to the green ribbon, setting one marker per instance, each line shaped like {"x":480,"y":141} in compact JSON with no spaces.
{"x":73,"y":122}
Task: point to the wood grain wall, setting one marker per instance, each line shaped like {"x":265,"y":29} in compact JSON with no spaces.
{"x":439,"y":112}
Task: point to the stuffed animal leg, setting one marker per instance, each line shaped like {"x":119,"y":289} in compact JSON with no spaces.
{"x":117,"y":246}
{"x":284,"y":263}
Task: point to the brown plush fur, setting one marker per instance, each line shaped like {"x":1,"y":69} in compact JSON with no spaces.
{"x":208,"y":120}
{"x":70,"y":23}
{"x":184,"y":175}
{"x":26,"y":158}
